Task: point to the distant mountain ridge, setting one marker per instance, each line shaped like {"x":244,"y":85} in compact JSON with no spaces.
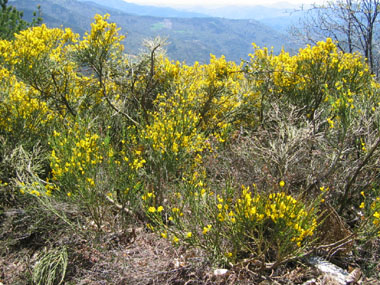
{"x":279,"y":16}
{"x":256,"y":12}
{"x":145,"y":10}
{"x":191,"y":39}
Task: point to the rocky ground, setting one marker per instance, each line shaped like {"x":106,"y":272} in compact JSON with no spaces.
{"x":136,"y":256}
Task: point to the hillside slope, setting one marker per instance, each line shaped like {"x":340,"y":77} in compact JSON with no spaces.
{"x":191,"y":39}
{"x":145,"y":10}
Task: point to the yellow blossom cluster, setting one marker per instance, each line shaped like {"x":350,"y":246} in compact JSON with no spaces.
{"x":84,"y":152}
{"x":79,"y":155}
{"x":312,"y":66}
{"x":42,"y":59}
{"x":287,"y":215}
{"x":195,"y":105}
{"x":34,"y":189}
{"x":103,"y":35}
{"x":372,"y":207}
{"x":211,"y":92}
{"x":317,"y":77}
{"x":232,"y":226}
{"x":20,"y":108}
{"x":35,"y":45}
{"x":174,"y":128}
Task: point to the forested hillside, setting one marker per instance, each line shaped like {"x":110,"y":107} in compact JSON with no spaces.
{"x":190,"y":39}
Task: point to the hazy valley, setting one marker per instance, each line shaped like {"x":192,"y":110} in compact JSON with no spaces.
{"x":192,"y":36}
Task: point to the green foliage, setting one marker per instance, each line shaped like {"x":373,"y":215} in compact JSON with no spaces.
{"x":51,"y":267}
{"x":11,"y":21}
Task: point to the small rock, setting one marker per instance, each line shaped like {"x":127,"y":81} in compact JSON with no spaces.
{"x":310,"y":282}
{"x":220,"y":272}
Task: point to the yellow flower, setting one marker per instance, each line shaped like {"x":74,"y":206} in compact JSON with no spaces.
{"x":189,"y":234}
{"x":282,"y":183}
{"x":331,"y":123}
{"x":206,"y":229}
{"x":149,"y":226}
{"x":160,"y":209}
{"x":91,"y":181}
{"x":68,"y":194}
{"x":228,"y":254}
{"x":152,"y":210}
{"x":362,"y":205}
{"x":34,"y":192}
{"x":175,"y":239}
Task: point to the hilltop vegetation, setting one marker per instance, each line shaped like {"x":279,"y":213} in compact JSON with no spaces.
{"x":242,"y":166}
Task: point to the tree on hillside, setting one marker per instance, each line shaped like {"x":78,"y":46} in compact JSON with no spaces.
{"x":352,"y":23}
{"x":11,"y":20}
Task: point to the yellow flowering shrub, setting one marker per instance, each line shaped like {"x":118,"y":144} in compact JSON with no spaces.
{"x":174,"y":127}
{"x":211,"y":91}
{"x":20,"y":107}
{"x":23,"y":116}
{"x":287,"y":222}
{"x":102,"y":40}
{"x":44,"y":62}
{"x":173,"y":139}
{"x":87,"y":168}
{"x":195,"y":106}
{"x":134,"y":133}
{"x":371,"y":216}
{"x":34,"y":47}
{"x":317,"y":78}
{"x":265,"y":227}
{"x":100,"y":51}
